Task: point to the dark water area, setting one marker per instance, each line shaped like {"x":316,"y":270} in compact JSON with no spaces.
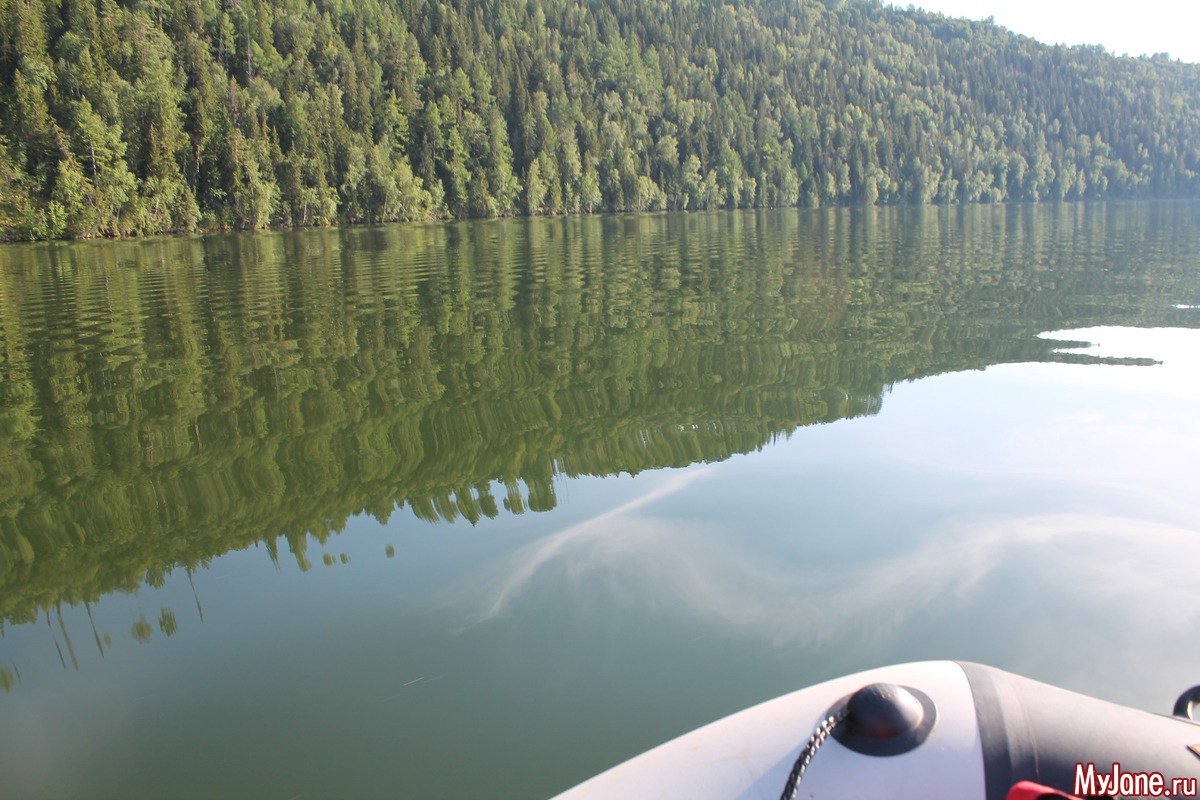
{"x":483,"y":508}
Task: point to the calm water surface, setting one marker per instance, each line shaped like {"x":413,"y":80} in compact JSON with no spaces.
{"x":481,"y":509}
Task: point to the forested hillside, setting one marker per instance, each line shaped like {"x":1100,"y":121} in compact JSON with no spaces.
{"x":142,"y":116}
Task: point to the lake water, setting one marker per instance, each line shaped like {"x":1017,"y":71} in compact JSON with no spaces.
{"x":480,"y":509}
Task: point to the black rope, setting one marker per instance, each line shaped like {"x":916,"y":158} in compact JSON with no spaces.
{"x":824,"y":729}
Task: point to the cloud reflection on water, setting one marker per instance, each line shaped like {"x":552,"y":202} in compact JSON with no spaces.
{"x":1121,"y":568}
{"x":605,"y":538}
{"x":1055,"y":539}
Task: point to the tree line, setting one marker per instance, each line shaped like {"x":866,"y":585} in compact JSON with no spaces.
{"x":128,"y":117}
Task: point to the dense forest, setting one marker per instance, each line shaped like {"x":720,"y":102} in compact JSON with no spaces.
{"x":126,"y":117}
{"x":164,"y":402}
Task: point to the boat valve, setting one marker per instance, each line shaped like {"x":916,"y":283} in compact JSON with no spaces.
{"x":1188,"y":705}
{"x":884,"y":719}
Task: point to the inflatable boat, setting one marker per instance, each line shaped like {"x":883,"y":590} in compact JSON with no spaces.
{"x":940,"y":730}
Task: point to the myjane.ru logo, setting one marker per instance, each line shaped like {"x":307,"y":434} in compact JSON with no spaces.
{"x":1091,"y":782}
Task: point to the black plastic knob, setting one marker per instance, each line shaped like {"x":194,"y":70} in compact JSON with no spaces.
{"x":883,"y":719}
{"x":1188,"y":705}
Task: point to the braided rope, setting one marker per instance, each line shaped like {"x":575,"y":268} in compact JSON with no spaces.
{"x":824,"y":729}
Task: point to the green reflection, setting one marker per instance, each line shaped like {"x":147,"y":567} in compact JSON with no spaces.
{"x":163,"y":402}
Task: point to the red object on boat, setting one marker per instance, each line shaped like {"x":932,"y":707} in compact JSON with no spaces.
{"x":1028,"y":790}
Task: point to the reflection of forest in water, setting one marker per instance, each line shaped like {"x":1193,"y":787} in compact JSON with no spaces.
{"x":163,"y":402}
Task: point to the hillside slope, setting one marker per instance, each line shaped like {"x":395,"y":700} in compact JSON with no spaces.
{"x":122,"y":118}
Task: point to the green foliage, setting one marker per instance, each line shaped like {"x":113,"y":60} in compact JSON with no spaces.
{"x":160,"y":117}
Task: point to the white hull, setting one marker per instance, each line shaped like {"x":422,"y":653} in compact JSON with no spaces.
{"x":748,"y":755}
{"x":937,"y":730}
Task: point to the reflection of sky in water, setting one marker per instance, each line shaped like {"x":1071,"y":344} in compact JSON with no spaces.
{"x":1063,"y":524}
{"x":1039,"y":517}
